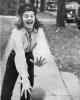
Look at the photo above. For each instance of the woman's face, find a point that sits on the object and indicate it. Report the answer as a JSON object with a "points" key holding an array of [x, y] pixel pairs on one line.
{"points": [[28, 19]]}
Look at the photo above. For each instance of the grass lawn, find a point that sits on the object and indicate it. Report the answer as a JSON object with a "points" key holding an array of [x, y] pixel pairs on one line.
{"points": [[5, 27], [64, 44]]}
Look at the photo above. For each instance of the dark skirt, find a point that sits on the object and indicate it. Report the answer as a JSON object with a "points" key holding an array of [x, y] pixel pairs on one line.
{"points": [[11, 75]]}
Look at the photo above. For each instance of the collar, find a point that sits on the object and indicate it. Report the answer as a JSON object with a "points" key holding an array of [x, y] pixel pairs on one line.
{"points": [[25, 32], [33, 31]]}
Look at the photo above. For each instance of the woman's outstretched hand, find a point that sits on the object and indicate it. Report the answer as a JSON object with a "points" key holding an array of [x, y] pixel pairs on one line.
{"points": [[25, 87], [39, 61]]}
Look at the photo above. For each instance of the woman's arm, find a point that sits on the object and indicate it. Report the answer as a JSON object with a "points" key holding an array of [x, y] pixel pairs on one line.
{"points": [[20, 60], [39, 58]]}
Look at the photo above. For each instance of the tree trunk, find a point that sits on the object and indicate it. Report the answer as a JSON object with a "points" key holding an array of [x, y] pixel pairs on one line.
{"points": [[42, 7], [61, 13], [30, 1], [36, 3]]}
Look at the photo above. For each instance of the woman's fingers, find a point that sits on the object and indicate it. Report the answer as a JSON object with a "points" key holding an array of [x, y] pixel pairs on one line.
{"points": [[36, 59], [29, 91], [43, 59], [30, 88], [22, 91], [40, 57], [32, 60], [25, 94], [39, 61]]}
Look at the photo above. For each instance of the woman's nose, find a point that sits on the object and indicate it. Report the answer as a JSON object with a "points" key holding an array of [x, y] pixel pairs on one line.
{"points": [[29, 17]]}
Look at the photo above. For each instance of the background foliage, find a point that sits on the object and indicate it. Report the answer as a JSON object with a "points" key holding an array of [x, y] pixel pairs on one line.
{"points": [[9, 7]]}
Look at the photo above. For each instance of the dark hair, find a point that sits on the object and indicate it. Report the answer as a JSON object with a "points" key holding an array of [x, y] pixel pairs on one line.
{"points": [[19, 23], [27, 7]]}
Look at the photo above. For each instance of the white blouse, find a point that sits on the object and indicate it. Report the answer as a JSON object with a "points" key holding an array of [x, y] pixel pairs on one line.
{"points": [[20, 43]]}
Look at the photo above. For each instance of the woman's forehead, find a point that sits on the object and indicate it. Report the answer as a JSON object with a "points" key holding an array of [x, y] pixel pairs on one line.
{"points": [[28, 12]]}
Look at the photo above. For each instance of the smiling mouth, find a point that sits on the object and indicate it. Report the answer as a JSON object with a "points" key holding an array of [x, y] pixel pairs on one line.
{"points": [[29, 22]]}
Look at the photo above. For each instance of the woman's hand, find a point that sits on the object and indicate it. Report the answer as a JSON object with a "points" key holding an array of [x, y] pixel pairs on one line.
{"points": [[39, 61], [25, 87]]}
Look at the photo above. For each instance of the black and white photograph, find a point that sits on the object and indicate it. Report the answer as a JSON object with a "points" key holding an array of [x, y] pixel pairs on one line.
{"points": [[39, 49]]}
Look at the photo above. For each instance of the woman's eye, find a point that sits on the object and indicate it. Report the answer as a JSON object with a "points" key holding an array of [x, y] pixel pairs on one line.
{"points": [[32, 16], [26, 16]]}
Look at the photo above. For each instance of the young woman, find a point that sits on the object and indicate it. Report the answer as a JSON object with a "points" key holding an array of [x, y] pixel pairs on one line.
{"points": [[20, 61]]}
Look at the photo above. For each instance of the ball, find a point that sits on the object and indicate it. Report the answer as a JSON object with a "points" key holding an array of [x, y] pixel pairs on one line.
{"points": [[37, 93]]}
